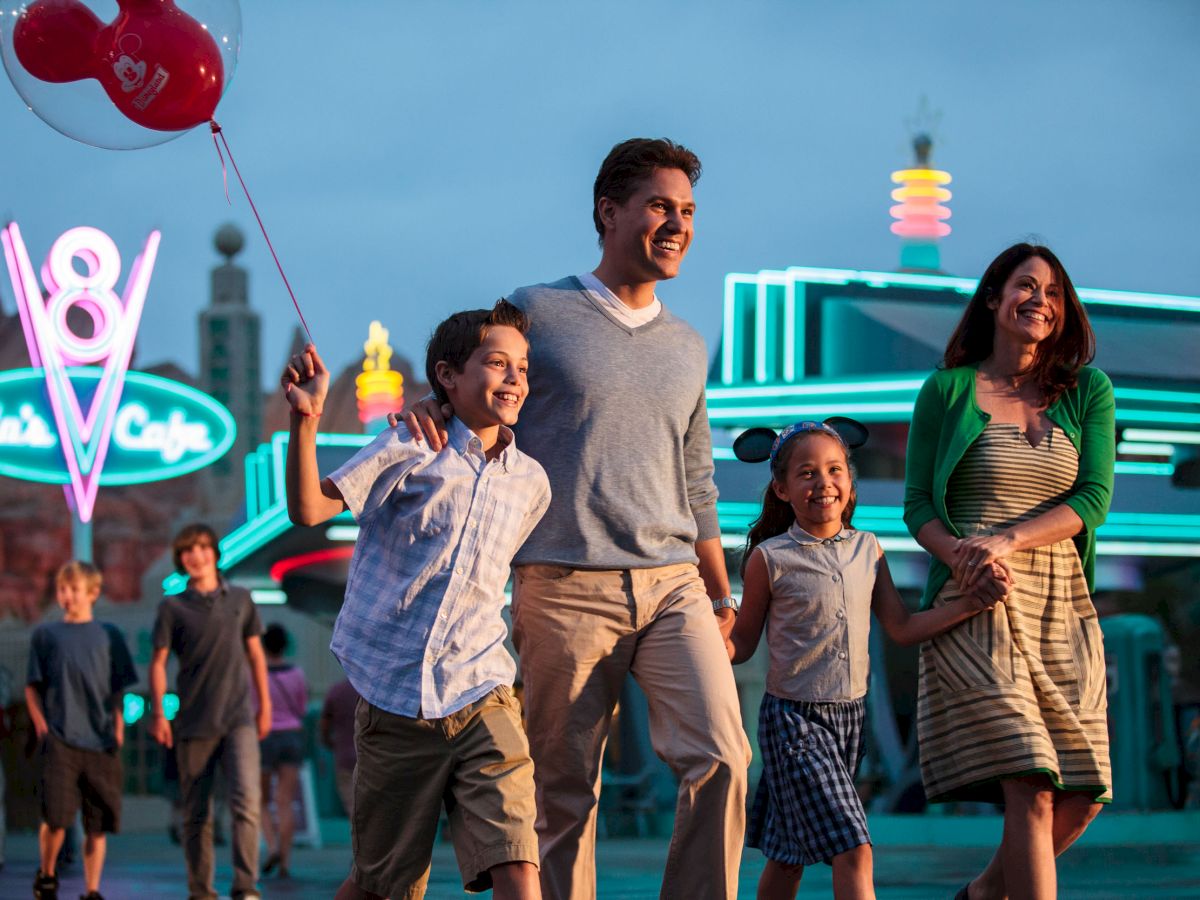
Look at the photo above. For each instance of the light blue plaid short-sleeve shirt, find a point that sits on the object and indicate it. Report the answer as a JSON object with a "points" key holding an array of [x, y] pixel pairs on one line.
{"points": [[420, 631]]}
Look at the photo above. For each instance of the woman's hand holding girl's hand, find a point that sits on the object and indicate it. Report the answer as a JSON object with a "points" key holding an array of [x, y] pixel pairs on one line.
{"points": [[305, 382], [992, 587], [974, 554]]}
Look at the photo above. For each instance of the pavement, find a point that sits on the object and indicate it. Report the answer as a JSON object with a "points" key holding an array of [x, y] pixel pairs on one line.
{"points": [[1145, 857]]}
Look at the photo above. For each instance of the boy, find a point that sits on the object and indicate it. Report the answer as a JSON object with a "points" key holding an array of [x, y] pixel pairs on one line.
{"points": [[214, 630], [420, 634], [78, 669]]}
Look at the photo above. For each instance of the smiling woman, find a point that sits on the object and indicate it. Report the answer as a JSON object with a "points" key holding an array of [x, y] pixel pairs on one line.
{"points": [[1010, 463]]}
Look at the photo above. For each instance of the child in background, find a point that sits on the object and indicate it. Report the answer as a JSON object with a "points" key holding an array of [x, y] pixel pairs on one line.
{"points": [[78, 671], [420, 634], [282, 751], [814, 581]]}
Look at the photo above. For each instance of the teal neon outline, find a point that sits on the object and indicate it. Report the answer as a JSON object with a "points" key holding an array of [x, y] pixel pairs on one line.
{"points": [[1098, 296]]}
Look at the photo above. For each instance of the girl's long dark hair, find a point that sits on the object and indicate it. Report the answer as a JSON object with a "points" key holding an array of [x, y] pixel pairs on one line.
{"points": [[1059, 357], [777, 515]]}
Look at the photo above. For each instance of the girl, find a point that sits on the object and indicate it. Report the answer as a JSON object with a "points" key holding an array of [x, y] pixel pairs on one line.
{"points": [[814, 581]]}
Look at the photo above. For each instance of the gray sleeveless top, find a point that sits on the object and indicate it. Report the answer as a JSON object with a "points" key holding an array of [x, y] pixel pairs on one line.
{"points": [[819, 619]]}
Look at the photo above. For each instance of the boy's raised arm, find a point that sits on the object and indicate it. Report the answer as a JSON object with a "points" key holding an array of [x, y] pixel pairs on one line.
{"points": [[310, 500]]}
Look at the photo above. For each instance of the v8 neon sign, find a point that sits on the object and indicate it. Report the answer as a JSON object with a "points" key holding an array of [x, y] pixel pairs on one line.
{"points": [[84, 433]]}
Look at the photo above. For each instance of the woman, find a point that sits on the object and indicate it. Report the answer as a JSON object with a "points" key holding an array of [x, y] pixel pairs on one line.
{"points": [[282, 749], [1010, 460]]}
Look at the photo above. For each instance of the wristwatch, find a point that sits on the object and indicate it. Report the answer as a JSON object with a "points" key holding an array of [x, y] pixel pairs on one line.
{"points": [[725, 603]]}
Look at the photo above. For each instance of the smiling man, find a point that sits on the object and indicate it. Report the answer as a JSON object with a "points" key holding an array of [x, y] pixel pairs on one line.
{"points": [[626, 570]]}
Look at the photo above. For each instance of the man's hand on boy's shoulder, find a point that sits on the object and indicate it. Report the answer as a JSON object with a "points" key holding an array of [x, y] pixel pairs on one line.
{"points": [[305, 382], [426, 420]]}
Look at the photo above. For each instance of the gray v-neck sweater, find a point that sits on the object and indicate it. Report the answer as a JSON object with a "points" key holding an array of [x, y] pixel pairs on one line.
{"points": [[616, 416]]}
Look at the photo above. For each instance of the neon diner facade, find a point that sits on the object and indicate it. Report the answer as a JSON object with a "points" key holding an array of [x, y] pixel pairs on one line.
{"points": [[804, 343]]}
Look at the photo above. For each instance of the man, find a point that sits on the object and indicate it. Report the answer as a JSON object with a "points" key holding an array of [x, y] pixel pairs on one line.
{"points": [[214, 630], [625, 571]]}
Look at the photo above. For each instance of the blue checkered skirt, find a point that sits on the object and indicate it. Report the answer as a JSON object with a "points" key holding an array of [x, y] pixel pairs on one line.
{"points": [[807, 810]]}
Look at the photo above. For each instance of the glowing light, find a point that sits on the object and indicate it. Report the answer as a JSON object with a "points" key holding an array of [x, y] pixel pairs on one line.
{"points": [[919, 209], [54, 347], [344, 532], [815, 275], [134, 707], [1134, 448], [268, 597], [280, 569], [1173, 437], [378, 388], [1131, 467]]}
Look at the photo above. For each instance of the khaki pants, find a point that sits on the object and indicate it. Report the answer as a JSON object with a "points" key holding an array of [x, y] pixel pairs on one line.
{"points": [[578, 633]]}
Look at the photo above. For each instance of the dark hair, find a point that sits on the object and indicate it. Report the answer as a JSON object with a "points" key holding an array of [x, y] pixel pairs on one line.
{"points": [[631, 161], [777, 515], [1059, 358], [275, 639], [78, 570], [459, 336], [188, 537]]}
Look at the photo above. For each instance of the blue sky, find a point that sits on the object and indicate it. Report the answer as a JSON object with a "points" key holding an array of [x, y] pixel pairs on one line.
{"points": [[413, 157]]}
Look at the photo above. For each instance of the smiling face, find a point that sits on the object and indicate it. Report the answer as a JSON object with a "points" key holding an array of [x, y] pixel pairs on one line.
{"points": [[817, 483], [648, 235], [493, 383], [76, 597], [1029, 308], [199, 561]]}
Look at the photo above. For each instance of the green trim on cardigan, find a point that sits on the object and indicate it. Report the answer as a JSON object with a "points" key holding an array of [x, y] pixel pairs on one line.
{"points": [[947, 420]]}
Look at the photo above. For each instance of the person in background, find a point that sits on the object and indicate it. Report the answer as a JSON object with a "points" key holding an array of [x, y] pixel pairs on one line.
{"points": [[78, 671], [214, 630], [337, 733], [282, 750]]}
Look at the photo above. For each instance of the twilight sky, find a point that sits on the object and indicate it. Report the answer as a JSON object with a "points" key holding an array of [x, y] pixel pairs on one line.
{"points": [[413, 157]]}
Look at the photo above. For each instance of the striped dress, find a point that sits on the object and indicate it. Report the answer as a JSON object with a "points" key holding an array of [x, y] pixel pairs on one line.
{"points": [[1019, 690]]}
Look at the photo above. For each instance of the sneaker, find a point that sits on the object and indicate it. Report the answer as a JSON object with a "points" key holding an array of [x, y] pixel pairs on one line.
{"points": [[45, 887], [91, 895]]}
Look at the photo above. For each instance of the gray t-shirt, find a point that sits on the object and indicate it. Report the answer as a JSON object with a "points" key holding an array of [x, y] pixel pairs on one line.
{"points": [[617, 418], [208, 633], [79, 670]]}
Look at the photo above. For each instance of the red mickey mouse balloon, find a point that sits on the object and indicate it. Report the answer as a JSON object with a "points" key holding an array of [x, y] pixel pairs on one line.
{"points": [[162, 64]]}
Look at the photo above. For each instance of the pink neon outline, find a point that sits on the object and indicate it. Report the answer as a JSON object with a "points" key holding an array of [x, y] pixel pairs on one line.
{"points": [[102, 323], [41, 335], [24, 283]]}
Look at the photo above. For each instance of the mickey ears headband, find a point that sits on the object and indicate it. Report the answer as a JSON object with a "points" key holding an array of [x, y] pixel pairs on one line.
{"points": [[758, 444]]}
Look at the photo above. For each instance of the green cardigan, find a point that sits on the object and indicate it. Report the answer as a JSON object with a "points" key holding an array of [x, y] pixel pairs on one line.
{"points": [[947, 420]]}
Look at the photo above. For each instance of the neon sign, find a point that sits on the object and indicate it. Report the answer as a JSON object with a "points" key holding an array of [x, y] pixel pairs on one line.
{"points": [[378, 387], [111, 426], [919, 203], [161, 429]]}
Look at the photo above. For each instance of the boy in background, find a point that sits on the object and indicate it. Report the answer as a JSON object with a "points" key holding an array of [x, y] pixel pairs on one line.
{"points": [[420, 634], [78, 671], [214, 630]]}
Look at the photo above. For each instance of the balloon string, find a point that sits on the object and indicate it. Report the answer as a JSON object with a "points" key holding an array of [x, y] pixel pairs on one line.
{"points": [[221, 157], [216, 130]]}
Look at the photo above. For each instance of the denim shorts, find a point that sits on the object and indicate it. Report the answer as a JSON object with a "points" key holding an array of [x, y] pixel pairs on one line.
{"points": [[282, 748]]}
